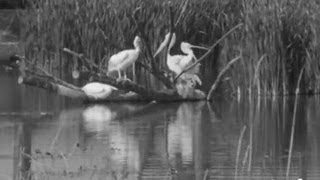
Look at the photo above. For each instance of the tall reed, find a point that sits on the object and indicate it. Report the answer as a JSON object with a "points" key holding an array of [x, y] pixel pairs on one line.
{"points": [[283, 32]]}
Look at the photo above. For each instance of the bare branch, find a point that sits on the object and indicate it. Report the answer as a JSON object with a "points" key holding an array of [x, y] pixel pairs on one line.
{"points": [[154, 70], [222, 72], [86, 61], [208, 52]]}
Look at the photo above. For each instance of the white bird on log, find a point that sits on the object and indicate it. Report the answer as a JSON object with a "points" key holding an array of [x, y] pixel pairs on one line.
{"points": [[122, 60], [98, 91], [177, 63]]}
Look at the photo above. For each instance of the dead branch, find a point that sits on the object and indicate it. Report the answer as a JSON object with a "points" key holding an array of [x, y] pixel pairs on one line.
{"points": [[208, 52], [146, 94], [44, 74], [222, 72], [154, 70], [89, 63]]}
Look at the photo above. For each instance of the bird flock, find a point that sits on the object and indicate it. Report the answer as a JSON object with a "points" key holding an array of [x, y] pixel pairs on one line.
{"points": [[122, 60]]}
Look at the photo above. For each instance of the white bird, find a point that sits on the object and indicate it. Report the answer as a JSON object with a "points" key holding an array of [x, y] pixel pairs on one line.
{"points": [[122, 60], [177, 63], [96, 90]]}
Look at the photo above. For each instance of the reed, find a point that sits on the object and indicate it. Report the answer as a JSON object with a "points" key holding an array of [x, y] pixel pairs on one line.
{"points": [[283, 32]]}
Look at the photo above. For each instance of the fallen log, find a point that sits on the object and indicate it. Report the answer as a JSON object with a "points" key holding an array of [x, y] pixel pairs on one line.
{"points": [[147, 94], [63, 90], [136, 92], [128, 90]]}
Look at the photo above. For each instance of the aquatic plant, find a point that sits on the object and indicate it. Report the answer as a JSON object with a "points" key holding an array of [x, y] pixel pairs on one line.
{"points": [[276, 40]]}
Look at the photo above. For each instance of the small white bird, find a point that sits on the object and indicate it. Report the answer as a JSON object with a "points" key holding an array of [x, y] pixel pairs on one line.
{"points": [[122, 60], [97, 91], [177, 63]]}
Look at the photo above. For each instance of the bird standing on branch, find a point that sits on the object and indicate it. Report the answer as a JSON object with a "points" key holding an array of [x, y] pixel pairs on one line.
{"points": [[177, 63], [122, 60]]}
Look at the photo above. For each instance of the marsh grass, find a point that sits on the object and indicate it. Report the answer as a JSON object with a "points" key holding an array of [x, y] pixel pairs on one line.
{"points": [[284, 33]]}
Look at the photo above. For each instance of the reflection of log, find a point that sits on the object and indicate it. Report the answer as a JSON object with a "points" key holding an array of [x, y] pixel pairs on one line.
{"points": [[147, 111]]}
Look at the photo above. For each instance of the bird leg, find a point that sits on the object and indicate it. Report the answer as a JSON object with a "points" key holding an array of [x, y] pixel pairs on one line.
{"points": [[125, 75], [119, 74]]}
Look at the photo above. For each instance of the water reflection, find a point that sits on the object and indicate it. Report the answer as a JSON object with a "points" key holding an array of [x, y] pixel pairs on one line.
{"points": [[228, 140], [187, 140], [97, 118]]}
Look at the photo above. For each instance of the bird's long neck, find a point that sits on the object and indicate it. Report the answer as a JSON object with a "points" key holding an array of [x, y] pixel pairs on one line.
{"points": [[169, 49], [171, 44], [137, 49]]}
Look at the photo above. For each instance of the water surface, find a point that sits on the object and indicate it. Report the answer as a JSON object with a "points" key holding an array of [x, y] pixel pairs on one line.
{"points": [[44, 136]]}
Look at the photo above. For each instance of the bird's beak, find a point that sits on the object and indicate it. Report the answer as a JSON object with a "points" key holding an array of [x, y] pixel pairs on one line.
{"points": [[194, 57], [199, 47], [160, 48], [164, 44]]}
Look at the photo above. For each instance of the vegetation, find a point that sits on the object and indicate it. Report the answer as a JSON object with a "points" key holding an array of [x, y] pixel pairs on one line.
{"points": [[277, 39]]}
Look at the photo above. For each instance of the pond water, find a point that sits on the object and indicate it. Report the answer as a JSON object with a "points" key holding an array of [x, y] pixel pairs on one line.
{"points": [[43, 136]]}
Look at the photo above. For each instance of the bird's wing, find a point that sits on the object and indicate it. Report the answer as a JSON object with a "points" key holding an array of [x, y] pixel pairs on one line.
{"points": [[118, 58], [176, 59], [185, 61]]}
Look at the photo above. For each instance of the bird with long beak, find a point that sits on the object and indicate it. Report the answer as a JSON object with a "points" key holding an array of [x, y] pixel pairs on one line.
{"points": [[177, 63], [122, 60]]}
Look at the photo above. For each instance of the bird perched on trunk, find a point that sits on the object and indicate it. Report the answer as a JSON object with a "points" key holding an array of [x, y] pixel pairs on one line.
{"points": [[97, 91], [122, 60]]}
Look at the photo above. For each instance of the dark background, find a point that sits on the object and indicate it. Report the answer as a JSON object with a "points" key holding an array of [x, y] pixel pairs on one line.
{"points": [[10, 4]]}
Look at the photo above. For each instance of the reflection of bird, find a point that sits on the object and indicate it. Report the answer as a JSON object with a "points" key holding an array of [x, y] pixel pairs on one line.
{"points": [[96, 90], [122, 60], [183, 131], [119, 141], [180, 133], [97, 117], [177, 63]]}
